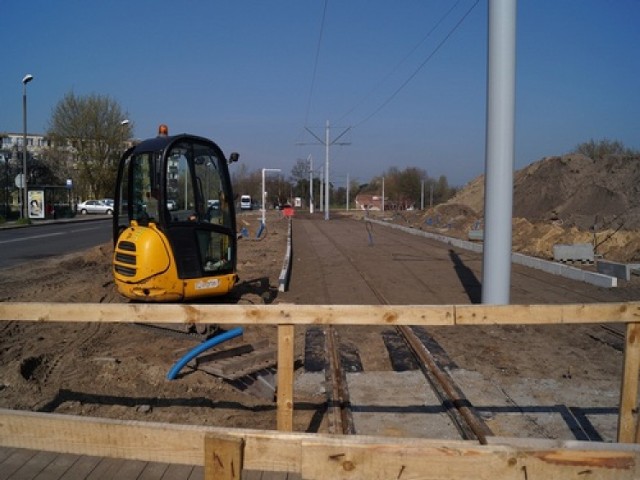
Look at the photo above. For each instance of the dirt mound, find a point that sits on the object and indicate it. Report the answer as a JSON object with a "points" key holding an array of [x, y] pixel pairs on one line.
{"points": [[574, 189], [565, 199]]}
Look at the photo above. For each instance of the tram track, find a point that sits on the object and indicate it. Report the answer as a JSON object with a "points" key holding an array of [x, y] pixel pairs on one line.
{"points": [[467, 421]]}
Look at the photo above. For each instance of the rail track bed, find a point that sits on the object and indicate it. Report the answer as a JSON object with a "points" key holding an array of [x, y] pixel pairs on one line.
{"points": [[545, 382]]}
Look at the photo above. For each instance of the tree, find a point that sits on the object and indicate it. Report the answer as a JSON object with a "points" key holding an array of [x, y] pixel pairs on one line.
{"points": [[602, 148], [91, 131]]}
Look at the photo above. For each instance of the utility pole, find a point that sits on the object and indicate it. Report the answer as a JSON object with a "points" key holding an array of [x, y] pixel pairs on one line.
{"points": [[500, 152], [327, 143], [347, 192], [310, 184]]}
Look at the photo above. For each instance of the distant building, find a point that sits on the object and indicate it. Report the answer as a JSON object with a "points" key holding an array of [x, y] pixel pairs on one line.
{"points": [[375, 203], [35, 142], [369, 202]]}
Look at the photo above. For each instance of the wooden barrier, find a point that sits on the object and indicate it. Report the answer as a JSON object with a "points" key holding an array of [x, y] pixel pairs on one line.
{"points": [[225, 452]]}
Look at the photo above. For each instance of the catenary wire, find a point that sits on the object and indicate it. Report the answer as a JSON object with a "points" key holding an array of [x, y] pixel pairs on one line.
{"points": [[315, 63], [404, 59], [420, 67]]}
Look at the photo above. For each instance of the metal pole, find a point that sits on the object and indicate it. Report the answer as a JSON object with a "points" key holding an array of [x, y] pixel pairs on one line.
{"points": [[347, 192], [500, 146], [264, 208], [383, 194], [422, 195], [25, 197], [310, 160], [321, 189], [326, 177], [263, 199]]}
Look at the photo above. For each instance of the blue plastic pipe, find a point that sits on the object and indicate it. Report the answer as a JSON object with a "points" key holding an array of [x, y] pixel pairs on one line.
{"points": [[212, 342]]}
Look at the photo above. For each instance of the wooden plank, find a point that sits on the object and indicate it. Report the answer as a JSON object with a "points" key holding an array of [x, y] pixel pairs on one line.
{"points": [[14, 462], [36, 464], [275, 314], [153, 471], [60, 464], [332, 459], [547, 314], [628, 417], [312, 456], [81, 468], [236, 367], [102, 437], [222, 457], [285, 378]]}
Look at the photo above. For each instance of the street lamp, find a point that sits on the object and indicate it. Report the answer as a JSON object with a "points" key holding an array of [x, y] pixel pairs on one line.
{"points": [[25, 199], [263, 193]]}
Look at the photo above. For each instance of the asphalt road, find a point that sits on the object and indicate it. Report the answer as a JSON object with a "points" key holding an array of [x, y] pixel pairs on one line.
{"points": [[20, 245]]}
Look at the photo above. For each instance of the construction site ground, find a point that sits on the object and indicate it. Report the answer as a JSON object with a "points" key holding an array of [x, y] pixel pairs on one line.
{"points": [[529, 381]]}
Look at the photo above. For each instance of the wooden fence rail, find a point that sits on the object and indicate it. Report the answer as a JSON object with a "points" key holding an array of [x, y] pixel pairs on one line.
{"points": [[315, 455]]}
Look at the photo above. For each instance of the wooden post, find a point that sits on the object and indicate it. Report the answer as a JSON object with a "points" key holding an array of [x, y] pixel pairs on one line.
{"points": [[285, 378], [627, 420], [222, 457]]}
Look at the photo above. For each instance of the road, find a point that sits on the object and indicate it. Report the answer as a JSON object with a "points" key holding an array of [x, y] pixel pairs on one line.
{"points": [[20, 245]]}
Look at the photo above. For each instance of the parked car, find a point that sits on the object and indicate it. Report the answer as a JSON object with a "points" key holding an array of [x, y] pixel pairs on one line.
{"points": [[245, 202], [94, 206], [172, 205]]}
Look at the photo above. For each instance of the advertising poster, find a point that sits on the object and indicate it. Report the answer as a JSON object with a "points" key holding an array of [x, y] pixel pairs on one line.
{"points": [[36, 203]]}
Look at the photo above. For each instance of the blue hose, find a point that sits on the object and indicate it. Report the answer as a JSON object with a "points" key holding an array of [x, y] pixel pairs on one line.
{"points": [[212, 342]]}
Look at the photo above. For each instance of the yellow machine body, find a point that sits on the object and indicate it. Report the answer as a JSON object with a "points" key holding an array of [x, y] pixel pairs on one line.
{"points": [[144, 269], [174, 226]]}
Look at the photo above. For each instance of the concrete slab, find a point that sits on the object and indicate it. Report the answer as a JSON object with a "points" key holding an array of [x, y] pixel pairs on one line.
{"points": [[397, 404]]}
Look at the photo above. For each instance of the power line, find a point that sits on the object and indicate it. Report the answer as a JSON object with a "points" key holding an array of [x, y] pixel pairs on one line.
{"points": [[315, 64], [420, 67], [404, 59]]}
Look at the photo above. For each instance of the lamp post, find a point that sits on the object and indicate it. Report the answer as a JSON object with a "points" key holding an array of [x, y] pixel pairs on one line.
{"points": [[25, 199], [264, 207]]}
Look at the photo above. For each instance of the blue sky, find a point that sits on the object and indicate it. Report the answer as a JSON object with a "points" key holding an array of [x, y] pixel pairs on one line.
{"points": [[244, 73]]}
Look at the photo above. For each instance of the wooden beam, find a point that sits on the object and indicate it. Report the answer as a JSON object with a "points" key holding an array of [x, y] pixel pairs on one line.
{"points": [[222, 457], [318, 456], [628, 417], [285, 378], [321, 314], [547, 314]]}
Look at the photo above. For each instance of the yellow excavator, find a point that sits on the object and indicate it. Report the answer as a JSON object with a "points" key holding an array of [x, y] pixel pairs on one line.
{"points": [[174, 223]]}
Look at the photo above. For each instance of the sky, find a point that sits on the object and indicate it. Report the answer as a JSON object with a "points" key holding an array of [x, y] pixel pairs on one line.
{"points": [[399, 83]]}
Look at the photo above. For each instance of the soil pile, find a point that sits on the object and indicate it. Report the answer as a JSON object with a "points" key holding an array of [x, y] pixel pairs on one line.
{"points": [[558, 200]]}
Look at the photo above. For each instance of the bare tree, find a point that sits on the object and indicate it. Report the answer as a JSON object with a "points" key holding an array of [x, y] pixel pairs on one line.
{"points": [[91, 130]]}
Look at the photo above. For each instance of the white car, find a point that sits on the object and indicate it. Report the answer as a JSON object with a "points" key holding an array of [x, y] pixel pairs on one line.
{"points": [[94, 206]]}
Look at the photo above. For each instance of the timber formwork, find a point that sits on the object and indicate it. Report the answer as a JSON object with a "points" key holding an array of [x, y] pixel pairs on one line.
{"points": [[225, 453]]}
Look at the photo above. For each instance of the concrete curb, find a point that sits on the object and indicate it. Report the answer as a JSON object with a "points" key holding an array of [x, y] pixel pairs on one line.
{"points": [[283, 280], [554, 268]]}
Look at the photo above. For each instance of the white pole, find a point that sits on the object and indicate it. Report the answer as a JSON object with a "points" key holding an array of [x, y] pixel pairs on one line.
{"points": [[422, 195], [310, 184], [326, 178], [383, 194], [500, 148], [263, 200], [321, 189], [264, 193], [347, 192]]}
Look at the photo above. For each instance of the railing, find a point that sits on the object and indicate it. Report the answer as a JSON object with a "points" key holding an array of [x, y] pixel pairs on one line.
{"points": [[611, 459]]}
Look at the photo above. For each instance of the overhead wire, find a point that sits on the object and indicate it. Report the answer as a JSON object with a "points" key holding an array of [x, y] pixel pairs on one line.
{"points": [[420, 67], [315, 63], [399, 64]]}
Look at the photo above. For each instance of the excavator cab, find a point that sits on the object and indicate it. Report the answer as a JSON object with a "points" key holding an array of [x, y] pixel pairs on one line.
{"points": [[174, 226]]}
